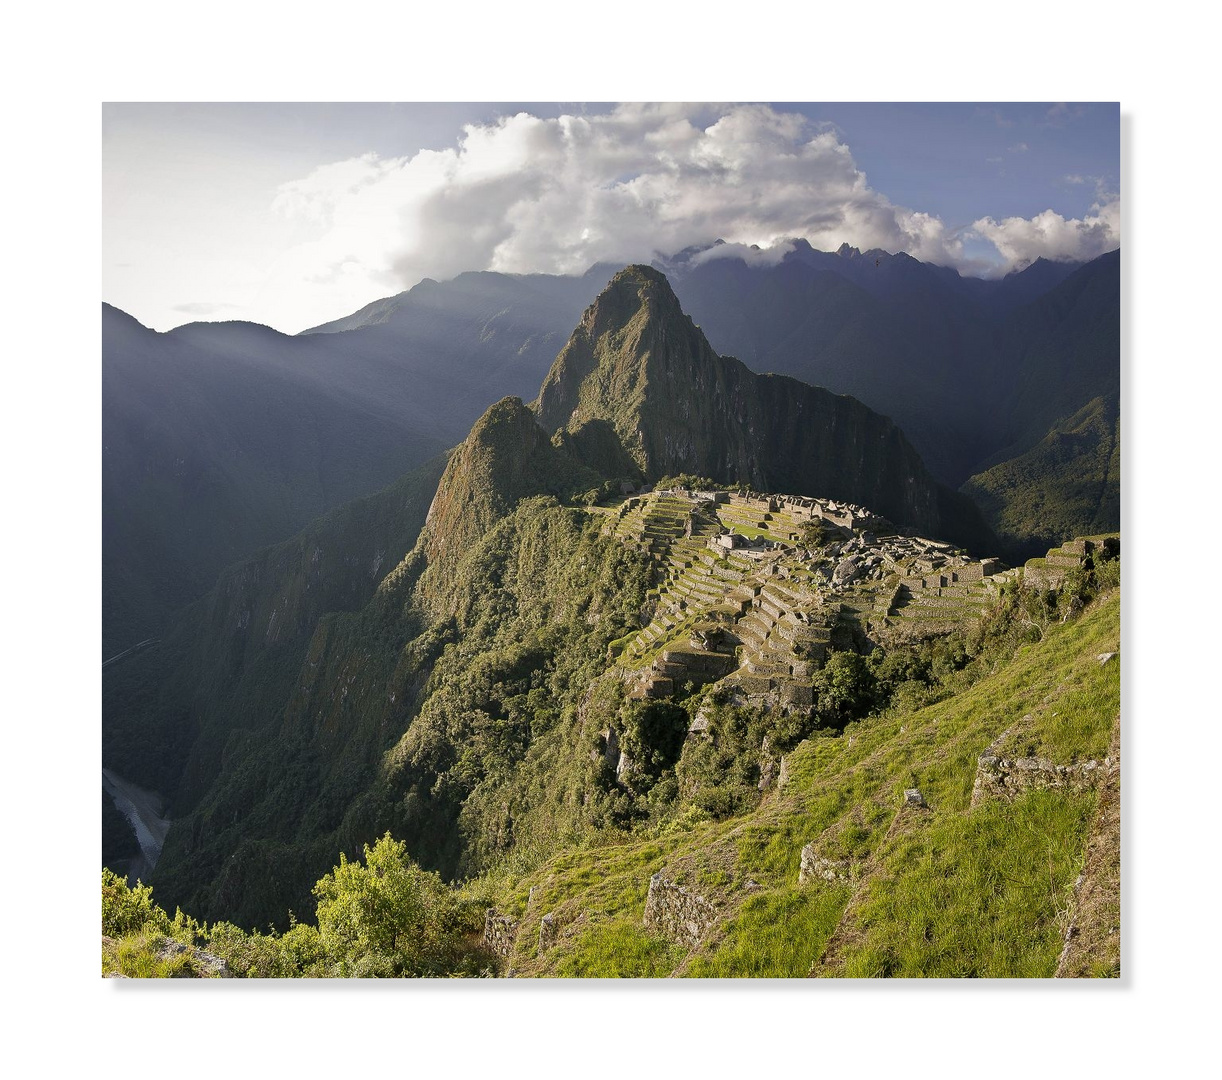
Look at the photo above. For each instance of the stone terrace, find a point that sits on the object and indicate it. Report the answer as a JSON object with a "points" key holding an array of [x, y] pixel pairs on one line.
{"points": [[749, 593]]}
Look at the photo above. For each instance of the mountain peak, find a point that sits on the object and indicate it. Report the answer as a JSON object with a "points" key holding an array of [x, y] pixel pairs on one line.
{"points": [[506, 457], [634, 289], [638, 393], [633, 324]]}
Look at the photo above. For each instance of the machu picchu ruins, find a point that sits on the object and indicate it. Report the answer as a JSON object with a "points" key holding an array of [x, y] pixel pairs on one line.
{"points": [[755, 589]]}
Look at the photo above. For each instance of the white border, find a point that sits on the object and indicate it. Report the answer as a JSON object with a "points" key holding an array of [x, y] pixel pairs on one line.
{"points": [[63, 63]]}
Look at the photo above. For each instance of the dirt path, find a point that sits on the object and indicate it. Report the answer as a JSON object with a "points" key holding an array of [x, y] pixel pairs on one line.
{"points": [[1092, 943]]}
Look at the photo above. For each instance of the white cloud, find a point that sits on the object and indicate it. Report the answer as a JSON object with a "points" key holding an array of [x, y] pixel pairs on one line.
{"points": [[1023, 240], [526, 194], [203, 307], [751, 254], [1018, 148]]}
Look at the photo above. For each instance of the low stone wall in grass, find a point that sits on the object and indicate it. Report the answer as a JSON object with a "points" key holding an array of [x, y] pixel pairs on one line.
{"points": [[676, 913], [1006, 778]]}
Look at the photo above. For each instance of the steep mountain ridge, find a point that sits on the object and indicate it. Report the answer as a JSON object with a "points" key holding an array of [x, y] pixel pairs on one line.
{"points": [[639, 366]]}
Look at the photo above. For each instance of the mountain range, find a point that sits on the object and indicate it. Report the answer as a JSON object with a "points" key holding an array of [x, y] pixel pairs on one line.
{"points": [[220, 438]]}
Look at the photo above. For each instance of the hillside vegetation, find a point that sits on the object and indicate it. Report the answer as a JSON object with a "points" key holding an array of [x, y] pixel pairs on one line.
{"points": [[1067, 484], [956, 886], [640, 723]]}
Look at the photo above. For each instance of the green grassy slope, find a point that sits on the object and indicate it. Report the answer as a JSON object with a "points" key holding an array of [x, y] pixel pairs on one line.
{"points": [[950, 890]]}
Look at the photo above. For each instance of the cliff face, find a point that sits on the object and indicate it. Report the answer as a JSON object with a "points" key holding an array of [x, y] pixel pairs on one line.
{"points": [[639, 369]]}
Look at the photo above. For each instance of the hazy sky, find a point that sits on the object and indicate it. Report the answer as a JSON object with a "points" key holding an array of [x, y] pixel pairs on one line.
{"points": [[294, 214]]}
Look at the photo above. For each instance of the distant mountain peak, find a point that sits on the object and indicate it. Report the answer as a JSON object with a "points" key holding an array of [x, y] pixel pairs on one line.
{"points": [[627, 327]]}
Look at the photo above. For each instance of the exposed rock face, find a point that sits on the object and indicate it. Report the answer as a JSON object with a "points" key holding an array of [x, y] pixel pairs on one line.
{"points": [[638, 372], [548, 931], [676, 913], [200, 964]]}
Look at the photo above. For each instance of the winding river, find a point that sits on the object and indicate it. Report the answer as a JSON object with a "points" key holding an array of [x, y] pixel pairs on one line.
{"points": [[143, 812]]}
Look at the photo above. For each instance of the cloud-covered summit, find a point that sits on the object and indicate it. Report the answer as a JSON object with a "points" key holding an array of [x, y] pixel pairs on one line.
{"points": [[526, 194]]}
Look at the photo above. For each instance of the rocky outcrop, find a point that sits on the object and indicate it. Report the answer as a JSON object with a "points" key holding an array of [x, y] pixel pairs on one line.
{"points": [[816, 867], [549, 930], [199, 965], [676, 913]]}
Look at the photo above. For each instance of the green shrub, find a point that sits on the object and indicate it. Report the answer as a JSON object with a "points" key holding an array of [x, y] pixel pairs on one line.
{"points": [[845, 689], [388, 917], [126, 910]]}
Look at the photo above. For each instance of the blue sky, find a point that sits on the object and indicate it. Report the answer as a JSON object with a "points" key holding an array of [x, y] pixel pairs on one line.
{"points": [[291, 214]]}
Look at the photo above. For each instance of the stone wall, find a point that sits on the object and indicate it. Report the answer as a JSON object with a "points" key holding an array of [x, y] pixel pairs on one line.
{"points": [[1006, 778], [676, 913], [499, 931], [814, 867]]}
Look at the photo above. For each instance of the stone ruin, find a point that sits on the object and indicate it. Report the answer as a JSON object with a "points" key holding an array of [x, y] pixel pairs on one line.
{"points": [[743, 597], [1051, 571], [815, 867], [1007, 778], [499, 931], [676, 913], [674, 668]]}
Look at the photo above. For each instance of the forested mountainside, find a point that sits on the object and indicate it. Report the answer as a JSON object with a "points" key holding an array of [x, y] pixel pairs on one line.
{"points": [[940, 800], [526, 680]]}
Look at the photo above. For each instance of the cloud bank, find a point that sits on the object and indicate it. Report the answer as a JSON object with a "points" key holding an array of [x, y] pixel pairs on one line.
{"points": [[1049, 235], [557, 195]]}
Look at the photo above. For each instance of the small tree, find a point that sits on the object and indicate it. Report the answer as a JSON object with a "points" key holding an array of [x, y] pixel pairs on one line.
{"points": [[845, 689], [386, 917], [812, 533]]}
